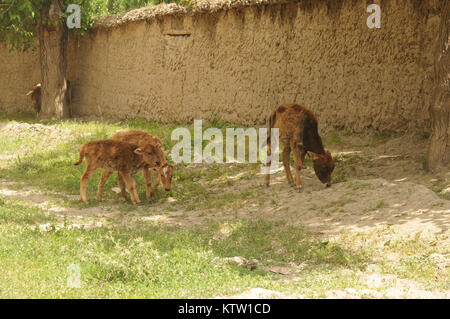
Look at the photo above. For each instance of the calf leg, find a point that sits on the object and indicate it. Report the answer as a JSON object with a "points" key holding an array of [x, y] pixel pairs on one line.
{"points": [[105, 175], [84, 180], [122, 186], [156, 183], [130, 185], [148, 183], [299, 156], [287, 164], [136, 195]]}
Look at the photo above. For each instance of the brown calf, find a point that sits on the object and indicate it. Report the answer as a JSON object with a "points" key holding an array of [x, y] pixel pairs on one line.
{"points": [[298, 132], [164, 172], [36, 97], [119, 156]]}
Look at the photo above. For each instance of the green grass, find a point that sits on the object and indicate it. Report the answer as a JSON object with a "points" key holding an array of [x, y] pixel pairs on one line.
{"points": [[378, 205], [414, 262], [379, 138], [334, 139], [150, 261], [282, 243]]}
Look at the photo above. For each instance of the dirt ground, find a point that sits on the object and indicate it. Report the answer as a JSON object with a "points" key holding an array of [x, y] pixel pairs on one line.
{"points": [[381, 194]]}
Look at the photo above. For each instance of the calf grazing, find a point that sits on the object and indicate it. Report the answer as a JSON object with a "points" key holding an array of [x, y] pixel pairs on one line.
{"points": [[36, 97], [298, 131], [164, 172], [119, 156]]}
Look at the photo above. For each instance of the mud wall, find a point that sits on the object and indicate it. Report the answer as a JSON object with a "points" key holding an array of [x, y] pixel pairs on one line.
{"points": [[18, 73], [239, 64]]}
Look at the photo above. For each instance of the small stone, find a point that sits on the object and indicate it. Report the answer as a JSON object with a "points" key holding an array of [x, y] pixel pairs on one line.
{"points": [[280, 270]]}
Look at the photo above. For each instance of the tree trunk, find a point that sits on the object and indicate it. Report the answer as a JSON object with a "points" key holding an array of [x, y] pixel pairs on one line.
{"points": [[439, 150], [53, 45]]}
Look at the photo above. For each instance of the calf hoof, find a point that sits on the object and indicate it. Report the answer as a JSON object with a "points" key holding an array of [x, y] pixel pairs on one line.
{"points": [[299, 190]]}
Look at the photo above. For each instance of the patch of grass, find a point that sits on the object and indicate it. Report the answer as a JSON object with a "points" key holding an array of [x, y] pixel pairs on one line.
{"points": [[308, 162], [380, 204], [49, 166], [16, 212], [415, 263], [442, 194], [378, 138], [355, 185], [18, 116], [215, 122], [440, 186], [338, 176], [150, 261], [333, 138], [333, 205], [279, 242]]}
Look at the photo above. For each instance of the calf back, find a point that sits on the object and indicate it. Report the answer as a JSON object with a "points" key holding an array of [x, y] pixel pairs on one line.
{"points": [[297, 126], [142, 139]]}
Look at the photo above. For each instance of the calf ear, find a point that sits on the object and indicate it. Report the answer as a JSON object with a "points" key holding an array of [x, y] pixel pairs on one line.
{"points": [[139, 151]]}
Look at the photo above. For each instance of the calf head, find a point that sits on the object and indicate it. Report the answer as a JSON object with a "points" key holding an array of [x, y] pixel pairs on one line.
{"points": [[151, 155], [166, 172], [323, 166]]}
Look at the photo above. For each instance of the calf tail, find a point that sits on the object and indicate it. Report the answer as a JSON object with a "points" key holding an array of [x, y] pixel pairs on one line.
{"points": [[81, 156], [270, 123]]}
